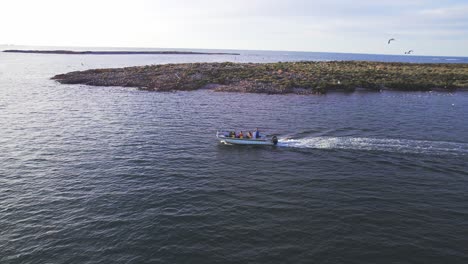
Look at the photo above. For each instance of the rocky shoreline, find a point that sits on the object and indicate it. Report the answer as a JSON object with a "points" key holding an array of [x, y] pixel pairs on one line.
{"points": [[279, 78], [70, 52]]}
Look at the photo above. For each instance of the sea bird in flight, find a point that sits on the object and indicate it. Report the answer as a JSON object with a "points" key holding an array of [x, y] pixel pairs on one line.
{"points": [[408, 52], [390, 40]]}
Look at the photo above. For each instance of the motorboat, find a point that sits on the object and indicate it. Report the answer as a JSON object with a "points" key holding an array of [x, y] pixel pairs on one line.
{"points": [[229, 137]]}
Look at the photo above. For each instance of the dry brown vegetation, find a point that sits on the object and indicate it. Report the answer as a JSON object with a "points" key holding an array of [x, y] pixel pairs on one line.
{"points": [[279, 78]]}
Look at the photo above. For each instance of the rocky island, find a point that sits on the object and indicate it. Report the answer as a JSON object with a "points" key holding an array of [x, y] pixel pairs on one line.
{"points": [[279, 78], [71, 52]]}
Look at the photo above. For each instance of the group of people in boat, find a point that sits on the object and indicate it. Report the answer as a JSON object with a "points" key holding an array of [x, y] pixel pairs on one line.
{"points": [[247, 135]]}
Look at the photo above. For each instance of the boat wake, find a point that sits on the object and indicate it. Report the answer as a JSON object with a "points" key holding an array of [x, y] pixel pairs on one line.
{"points": [[376, 144]]}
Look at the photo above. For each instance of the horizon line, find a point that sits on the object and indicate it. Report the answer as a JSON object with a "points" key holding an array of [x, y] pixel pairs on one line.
{"points": [[229, 49]]}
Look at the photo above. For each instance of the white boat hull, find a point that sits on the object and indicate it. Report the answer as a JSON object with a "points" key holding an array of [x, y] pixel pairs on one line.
{"points": [[240, 141]]}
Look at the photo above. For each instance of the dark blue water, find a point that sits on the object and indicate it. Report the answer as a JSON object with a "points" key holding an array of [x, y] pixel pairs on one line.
{"points": [[116, 175]]}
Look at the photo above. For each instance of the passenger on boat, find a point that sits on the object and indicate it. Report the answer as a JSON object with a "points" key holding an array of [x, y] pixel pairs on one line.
{"points": [[249, 135], [241, 135], [257, 133], [232, 134]]}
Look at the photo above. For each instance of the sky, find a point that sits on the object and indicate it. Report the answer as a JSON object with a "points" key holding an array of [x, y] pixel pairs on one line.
{"points": [[361, 26]]}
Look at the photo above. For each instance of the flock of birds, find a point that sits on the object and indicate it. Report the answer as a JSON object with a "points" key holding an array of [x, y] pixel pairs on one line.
{"points": [[406, 52]]}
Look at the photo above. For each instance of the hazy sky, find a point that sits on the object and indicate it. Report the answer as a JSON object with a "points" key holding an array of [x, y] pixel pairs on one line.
{"points": [[361, 26]]}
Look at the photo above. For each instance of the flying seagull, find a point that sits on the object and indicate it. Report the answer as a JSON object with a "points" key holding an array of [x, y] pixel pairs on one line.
{"points": [[390, 40], [408, 52]]}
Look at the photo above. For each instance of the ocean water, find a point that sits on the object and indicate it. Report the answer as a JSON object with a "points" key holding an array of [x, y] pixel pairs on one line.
{"points": [[118, 175]]}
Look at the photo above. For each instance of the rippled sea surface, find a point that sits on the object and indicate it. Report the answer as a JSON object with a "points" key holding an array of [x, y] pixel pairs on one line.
{"points": [[118, 175]]}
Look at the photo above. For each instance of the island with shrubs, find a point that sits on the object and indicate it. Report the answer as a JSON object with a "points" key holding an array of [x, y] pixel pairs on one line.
{"points": [[306, 77], [118, 52]]}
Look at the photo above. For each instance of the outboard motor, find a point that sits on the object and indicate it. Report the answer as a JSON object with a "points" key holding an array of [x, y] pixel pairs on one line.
{"points": [[274, 139]]}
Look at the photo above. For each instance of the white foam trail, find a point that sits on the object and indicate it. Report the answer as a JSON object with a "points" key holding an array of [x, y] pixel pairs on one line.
{"points": [[389, 145]]}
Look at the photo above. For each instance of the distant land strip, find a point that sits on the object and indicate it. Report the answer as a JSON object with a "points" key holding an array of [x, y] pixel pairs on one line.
{"points": [[70, 52], [307, 77]]}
